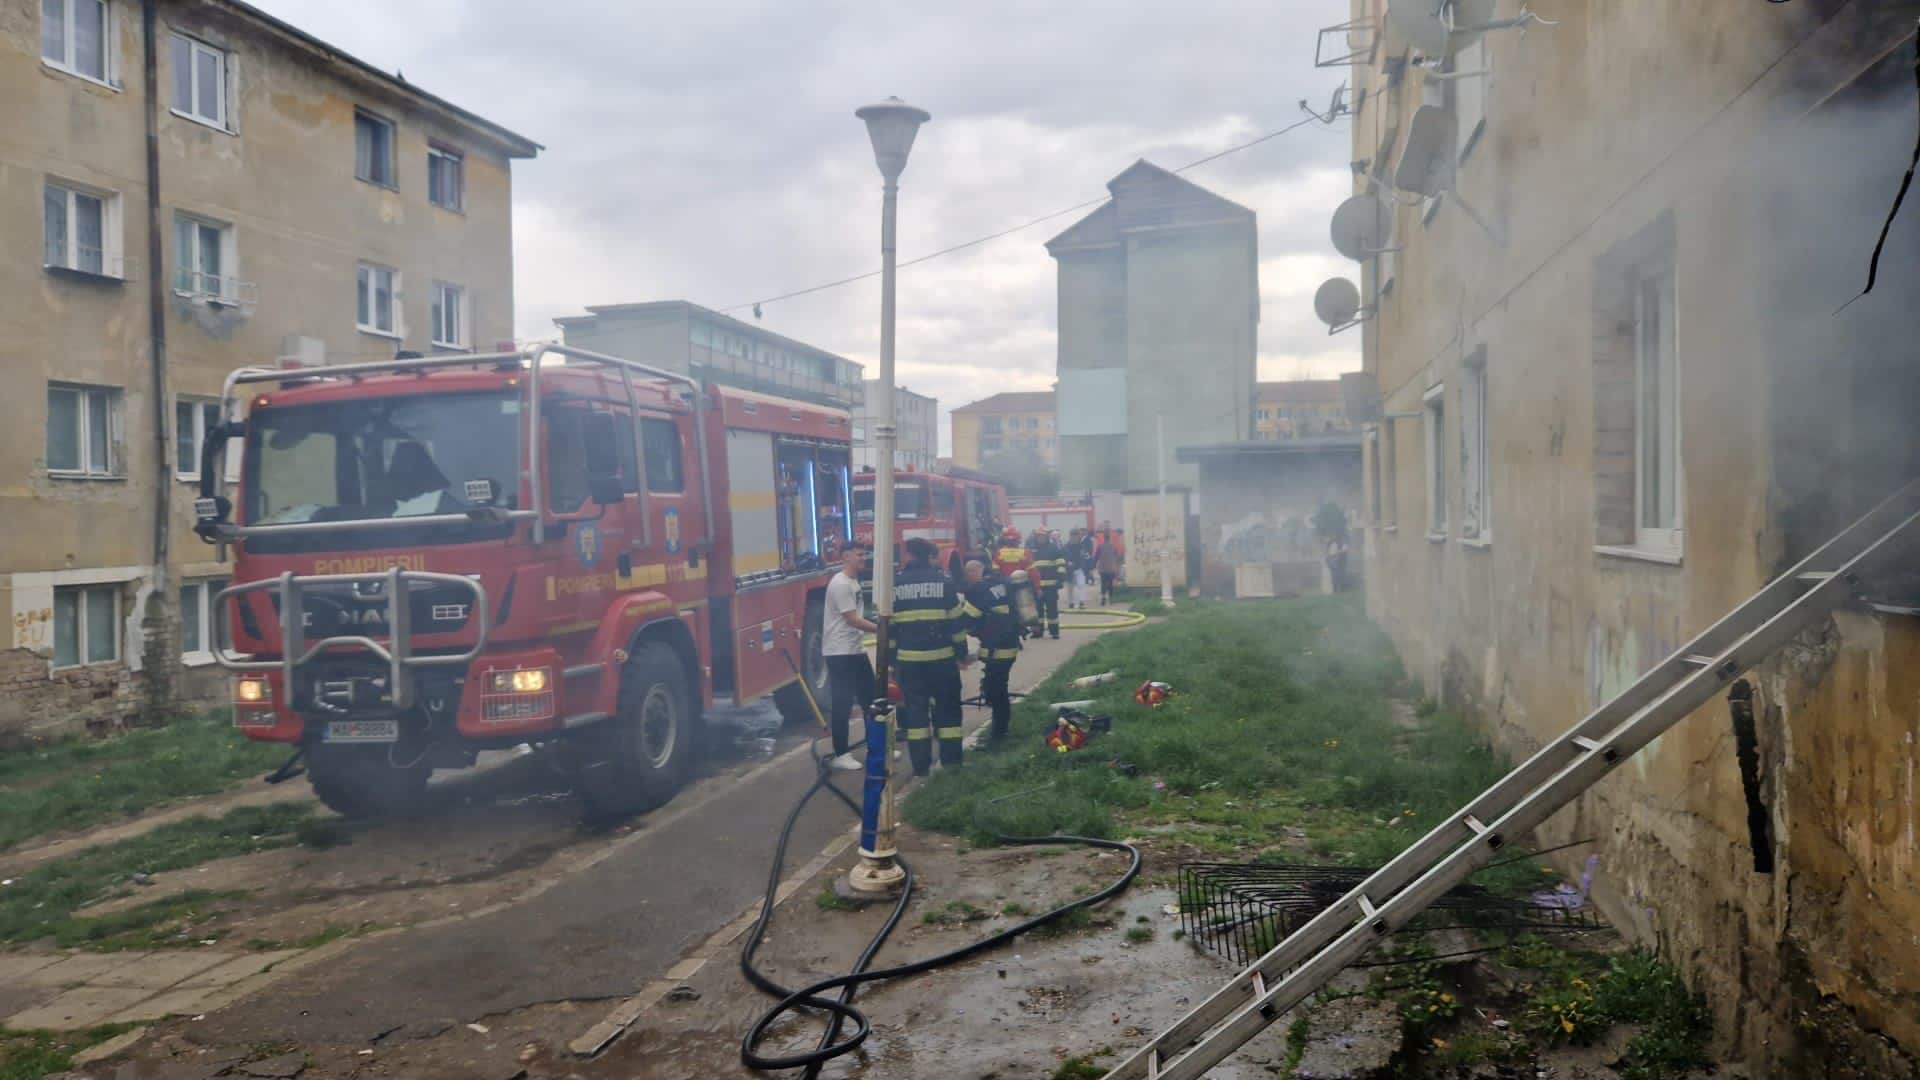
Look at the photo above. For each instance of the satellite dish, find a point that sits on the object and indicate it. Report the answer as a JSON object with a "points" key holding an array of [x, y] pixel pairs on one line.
{"points": [[1360, 227], [1427, 164], [1422, 23], [1337, 302]]}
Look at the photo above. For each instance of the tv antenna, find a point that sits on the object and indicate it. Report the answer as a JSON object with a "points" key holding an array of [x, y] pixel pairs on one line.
{"points": [[1428, 167], [1336, 108], [1361, 226], [1337, 303], [1438, 27]]}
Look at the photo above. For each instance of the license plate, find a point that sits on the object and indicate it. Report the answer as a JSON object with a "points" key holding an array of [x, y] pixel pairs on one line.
{"points": [[347, 731]]}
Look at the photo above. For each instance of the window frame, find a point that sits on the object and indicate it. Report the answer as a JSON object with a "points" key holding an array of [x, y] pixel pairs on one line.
{"points": [[462, 328], [109, 76], [652, 458], [228, 278], [81, 638], [83, 432], [442, 152], [392, 176], [1475, 469], [1466, 138], [205, 415], [364, 289], [1433, 419], [223, 122], [112, 263], [200, 618], [1657, 274]]}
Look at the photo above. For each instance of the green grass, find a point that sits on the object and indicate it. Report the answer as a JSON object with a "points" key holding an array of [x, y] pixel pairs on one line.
{"points": [[828, 900], [45, 903], [954, 913], [1580, 995], [1139, 935], [75, 783], [30, 1055], [1280, 720], [1078, 1068]]}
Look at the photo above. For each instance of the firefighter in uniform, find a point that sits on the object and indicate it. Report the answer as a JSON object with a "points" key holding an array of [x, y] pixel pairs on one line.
{"points": [[929, 643], [1011, 555], [1049, 572], [987, 604]]}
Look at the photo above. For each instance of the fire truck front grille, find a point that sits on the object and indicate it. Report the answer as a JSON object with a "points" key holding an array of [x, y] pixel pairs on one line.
{"points": [[337, 610]]}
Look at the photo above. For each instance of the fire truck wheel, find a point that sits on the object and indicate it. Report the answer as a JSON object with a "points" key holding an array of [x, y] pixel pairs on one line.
{"points": [[650, 741], [790, 699], [359, 782]]}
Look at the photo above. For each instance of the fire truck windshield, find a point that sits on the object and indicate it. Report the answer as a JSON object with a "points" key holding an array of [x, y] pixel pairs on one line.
{"points": [[909, 501], [385, 458]]}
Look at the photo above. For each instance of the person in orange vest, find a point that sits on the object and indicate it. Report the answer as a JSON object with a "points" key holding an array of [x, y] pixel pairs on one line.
{"points": [[1011, 555]]}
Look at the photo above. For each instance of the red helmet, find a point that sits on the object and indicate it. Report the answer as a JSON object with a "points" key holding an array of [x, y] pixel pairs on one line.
{"points": [[1011, 533]]}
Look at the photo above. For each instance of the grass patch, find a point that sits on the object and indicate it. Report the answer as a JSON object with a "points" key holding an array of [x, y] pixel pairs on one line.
{"points": [[1078, 1068], [1581, 995], [828, 900], [1139, 935], [75, 783], [325, 935], [29, 1055], [47, 903], [954, 913], [1280, 724]]}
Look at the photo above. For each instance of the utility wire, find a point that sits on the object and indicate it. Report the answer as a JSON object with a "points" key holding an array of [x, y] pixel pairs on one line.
{"points": [[1873, 264], [977, 241]]}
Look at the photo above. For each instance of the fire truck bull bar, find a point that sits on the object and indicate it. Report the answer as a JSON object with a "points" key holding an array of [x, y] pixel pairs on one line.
{"points": [[397, 653]]}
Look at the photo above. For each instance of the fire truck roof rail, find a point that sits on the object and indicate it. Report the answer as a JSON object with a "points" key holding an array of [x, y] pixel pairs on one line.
{"points": [[530, 355]]}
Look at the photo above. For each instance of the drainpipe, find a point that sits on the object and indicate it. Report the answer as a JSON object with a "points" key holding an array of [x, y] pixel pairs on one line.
{"points": [[159, 660]]}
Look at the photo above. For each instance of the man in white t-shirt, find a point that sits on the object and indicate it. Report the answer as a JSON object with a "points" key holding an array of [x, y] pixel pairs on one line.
{"points": [[849, 668]]}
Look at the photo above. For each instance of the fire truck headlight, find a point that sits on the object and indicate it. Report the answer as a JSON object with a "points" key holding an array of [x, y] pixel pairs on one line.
{"points": [[530, 681], [252, 691]]}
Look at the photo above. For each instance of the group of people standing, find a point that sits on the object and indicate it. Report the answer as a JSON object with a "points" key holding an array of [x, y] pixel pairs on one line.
{"points": [[933, 617]]}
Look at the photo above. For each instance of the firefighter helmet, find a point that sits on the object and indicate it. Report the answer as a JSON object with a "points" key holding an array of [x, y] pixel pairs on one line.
{"points": [[1010, 534]]}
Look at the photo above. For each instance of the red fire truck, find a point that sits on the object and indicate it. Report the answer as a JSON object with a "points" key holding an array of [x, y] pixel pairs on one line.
{"points": [[962, 511], [436, 556]]}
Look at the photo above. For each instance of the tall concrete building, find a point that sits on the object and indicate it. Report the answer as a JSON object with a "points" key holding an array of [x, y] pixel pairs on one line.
{"points": [[1159, 312], [300, 201], [1616, 413], [680, 336], [1016, 421], [915, 416]]}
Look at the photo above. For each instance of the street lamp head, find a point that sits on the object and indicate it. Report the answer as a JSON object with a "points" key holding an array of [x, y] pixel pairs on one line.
{"points": [[892, 125]]}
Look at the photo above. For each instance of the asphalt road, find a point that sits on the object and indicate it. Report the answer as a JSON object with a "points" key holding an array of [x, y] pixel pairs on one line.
{"points": [[602, 933]]}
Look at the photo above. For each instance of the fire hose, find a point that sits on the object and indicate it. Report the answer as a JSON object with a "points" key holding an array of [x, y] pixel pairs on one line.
{"points": [[841, 1008]]}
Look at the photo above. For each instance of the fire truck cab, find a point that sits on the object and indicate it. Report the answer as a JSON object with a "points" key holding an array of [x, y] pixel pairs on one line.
{"points": [[436, 556], [962, 511]]}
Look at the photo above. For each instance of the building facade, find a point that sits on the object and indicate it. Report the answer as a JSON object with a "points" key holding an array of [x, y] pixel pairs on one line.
{"points": [[1159, 314], [1620, 408], [300, 201], [916, 418], [1299, 409], [1018, 422], [693, 340]]}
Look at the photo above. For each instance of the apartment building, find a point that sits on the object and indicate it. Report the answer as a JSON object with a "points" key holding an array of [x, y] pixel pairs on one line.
{"points": [[916, 418], [298, 202], [1618, 404], [684, 337], [1018, 422], [1299, 409]]}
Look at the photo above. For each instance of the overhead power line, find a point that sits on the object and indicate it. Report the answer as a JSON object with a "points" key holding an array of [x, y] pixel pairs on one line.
{"points": [[977, 241]]}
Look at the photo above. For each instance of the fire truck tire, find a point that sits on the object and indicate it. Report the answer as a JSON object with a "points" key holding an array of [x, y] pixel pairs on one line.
{"points": [[649, 743], [790, 699], [358, 782]]}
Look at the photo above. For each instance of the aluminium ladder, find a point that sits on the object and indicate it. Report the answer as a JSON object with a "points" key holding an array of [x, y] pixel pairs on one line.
{"points": [[1309, 958]]}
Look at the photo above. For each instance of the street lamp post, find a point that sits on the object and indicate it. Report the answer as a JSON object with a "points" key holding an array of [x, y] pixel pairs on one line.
{"points": [[891, 125]]}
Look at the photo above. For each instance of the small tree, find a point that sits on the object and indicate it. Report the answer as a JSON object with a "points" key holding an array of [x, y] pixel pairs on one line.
{"points": [[1330, 522], [1023, 472]]}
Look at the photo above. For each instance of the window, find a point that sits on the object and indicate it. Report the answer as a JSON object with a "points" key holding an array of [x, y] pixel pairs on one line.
{"points": [[192, 421], [1470, 95], [82, 230], [378, 311], [199, 81], [197, 624], [81, 430], [1476, 503], [449, 315], [1656, 411], [1435, 418], [86, 620], [1376, 498], [661, 439], [373, 149], [75, 36], [203, 258], [446, 178]]}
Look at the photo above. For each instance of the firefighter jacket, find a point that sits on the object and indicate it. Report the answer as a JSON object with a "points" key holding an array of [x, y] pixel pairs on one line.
{"points": [[988, 608], [927, 614], [1049, 565], [1009, 557]]}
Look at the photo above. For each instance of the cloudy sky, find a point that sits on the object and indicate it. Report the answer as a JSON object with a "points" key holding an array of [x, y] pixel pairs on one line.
{"points": [[709, 152]]}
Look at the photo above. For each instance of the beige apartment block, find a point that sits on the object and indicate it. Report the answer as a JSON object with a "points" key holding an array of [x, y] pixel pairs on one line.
{"points": [[1617, 411], [292, 201]]}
